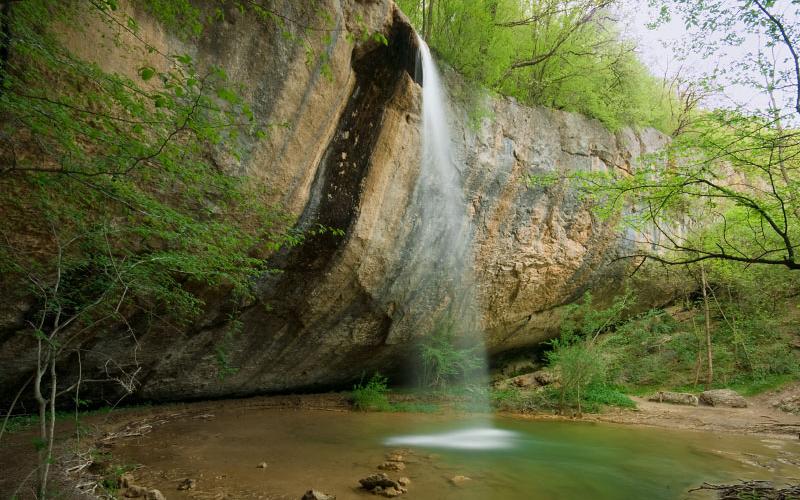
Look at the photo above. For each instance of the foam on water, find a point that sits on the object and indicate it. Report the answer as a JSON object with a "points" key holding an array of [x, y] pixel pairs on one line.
{"points": [[478, 438]]}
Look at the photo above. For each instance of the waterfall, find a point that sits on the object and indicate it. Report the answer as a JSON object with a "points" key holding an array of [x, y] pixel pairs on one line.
{"points": [[443, 252], [446, 232]]}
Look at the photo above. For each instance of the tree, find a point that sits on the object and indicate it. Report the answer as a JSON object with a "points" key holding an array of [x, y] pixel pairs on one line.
{"points": [[576, 353], [565, 54], [726, 187], [113, 204]]}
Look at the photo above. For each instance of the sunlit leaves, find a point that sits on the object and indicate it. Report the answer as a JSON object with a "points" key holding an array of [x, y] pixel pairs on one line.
{"points": [[120, 170], [546, 53]]}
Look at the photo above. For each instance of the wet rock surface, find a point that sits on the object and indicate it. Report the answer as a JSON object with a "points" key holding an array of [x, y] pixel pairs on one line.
{"points": [[187, 484], [317, 495], [460, 480]]}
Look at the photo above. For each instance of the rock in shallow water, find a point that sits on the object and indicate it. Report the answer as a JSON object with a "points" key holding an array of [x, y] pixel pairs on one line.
{"points": [[317, 495], [155, 495], [134, 491], [459, 480], [378, 480], [392, 465], [391, 492], [187, 484]]}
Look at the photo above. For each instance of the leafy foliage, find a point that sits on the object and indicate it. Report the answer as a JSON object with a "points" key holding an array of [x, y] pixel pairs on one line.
{"points": [[372, 396], [126, 184], [753, 322], [444, 360], [563, 54], [578, 357]]}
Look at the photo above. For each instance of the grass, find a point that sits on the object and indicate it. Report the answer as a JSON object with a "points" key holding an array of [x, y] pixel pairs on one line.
{"points": [[21, 423], [755, 386], [744, 385], [599, 395], [414, 407]]}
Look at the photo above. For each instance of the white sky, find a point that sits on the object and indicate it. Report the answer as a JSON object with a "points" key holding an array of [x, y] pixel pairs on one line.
{"points": [[655, 51]]}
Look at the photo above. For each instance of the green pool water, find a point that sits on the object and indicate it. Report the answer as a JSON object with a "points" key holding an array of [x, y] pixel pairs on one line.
{"points": [[513, 458]]}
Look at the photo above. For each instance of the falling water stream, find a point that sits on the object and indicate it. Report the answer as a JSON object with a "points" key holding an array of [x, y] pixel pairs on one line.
{"points": [[447, 232]]}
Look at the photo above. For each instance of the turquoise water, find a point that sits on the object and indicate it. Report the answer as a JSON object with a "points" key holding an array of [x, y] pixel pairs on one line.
{"points": [[574, 460]]}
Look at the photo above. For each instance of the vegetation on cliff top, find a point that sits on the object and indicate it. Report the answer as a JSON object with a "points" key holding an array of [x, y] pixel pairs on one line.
{"points": [[562, 54]]}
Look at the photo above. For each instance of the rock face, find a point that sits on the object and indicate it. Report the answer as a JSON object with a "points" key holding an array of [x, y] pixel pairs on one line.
{"points": [[347, 305], [723, 397]]}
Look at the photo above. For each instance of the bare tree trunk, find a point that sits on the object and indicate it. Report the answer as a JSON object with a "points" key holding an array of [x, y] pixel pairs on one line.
{"points": [[13, 405], [52, 424], [429, 26], [42, 404], [707, 311], [424, 21], [699, 363]]}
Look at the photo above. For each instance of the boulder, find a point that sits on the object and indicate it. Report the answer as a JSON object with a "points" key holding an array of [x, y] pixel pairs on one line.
{"points": [[723, 397], [528, 380], [317, 495], [187, 484], [517, 367], [155, 495], [545, 377], [789, 404], [459, 480], [134, 491], [392, 465], [675, 398], [379, 479]]}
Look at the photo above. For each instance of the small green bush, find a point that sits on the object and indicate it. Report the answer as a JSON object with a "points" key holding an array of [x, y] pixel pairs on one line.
{"points": [[444, 361], [597, 395], [373, 396]]}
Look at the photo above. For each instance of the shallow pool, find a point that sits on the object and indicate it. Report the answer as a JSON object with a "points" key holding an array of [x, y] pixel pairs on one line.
{"points": [[505, 458]]}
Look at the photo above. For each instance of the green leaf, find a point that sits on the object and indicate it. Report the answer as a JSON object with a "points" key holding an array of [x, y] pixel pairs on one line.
{"points": [[146, 72]]}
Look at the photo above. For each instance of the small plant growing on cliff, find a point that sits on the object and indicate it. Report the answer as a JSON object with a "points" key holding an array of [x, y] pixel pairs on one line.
{"points": [[372, 396], [444, 361]]}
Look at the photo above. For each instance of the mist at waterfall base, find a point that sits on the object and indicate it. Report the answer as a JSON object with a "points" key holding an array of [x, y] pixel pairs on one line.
{"points": [[445, 231]]}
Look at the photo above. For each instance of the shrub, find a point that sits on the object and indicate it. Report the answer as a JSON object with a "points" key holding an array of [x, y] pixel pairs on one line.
{"points": [[579, 363], [372, 396], [603, 394], [444, 362]]}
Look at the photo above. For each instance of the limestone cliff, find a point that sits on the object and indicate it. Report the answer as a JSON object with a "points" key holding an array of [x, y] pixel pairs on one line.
{"points": [[349, 158]]}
